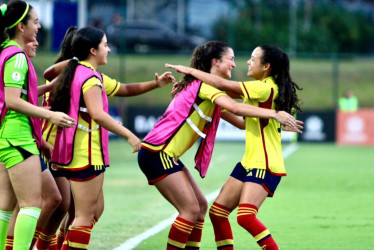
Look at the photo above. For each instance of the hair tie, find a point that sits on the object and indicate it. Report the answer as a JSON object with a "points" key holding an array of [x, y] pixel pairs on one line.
{"points": [[21, 18], [75, 58], [3, 9]]}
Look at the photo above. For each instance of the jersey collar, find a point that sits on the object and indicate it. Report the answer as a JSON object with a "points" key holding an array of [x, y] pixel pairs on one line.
{"points": [[9, 42], [87, 64]]}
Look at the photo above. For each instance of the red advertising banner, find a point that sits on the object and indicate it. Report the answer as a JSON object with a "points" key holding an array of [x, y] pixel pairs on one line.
{"points": [[355, 128]]}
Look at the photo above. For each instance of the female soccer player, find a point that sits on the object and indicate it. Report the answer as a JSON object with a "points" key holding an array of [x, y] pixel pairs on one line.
{"points": [[112, 88], [47, 238], [20, 133], [84, 163], [194, 112], [261, 169], [51, 197]]}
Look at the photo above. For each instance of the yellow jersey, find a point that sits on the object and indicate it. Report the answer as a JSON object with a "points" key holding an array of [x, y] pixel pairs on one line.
{"points": [[263, 149]]}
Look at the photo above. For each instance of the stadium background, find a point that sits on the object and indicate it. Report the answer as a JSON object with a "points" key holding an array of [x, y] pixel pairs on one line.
{"points": [[325, 202]]}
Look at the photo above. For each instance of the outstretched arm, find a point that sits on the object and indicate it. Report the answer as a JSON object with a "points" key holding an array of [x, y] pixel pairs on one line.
{"points": [[234, 120], [238, 122], [133, 89], [242, 109], [215, 81]]}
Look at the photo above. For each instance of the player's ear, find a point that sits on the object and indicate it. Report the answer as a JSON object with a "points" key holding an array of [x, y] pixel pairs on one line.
{"points": [[21, 26], [267, 66], [93, 51], [215, 61]]}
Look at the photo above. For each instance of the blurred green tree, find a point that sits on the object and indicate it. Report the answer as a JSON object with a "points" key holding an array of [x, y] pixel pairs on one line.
{"points": [[323, 26]]}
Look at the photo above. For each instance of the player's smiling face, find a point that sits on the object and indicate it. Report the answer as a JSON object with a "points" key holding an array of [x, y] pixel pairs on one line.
{"points": [[256, 68], [103, 51], [226, 64], [30, 48], [32, 27]]}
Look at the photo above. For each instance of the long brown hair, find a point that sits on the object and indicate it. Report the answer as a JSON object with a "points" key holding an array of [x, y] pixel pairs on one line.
{"points": [[202, 59], [85, 39], [66, 51]]}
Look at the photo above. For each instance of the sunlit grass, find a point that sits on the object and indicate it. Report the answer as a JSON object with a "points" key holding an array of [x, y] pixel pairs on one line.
{"points": [[325, 202]]}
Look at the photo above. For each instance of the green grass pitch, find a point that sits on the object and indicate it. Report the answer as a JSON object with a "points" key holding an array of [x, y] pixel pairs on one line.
{"points": [[325, 202]]}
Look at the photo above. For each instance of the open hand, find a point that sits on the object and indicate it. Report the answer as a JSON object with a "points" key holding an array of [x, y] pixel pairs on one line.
{"points": [[297, 128], [179, 68], [164, 79], [62, 120], [285, 118]]}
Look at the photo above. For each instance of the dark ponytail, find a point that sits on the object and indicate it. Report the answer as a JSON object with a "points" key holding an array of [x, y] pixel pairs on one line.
{"points": [[202, 59], [10, 16], [287, 98], [66, 51], [83, 41], [60, 100]]}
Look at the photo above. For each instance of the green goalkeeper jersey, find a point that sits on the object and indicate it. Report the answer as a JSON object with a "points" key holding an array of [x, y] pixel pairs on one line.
{"points": [[15, 125]]}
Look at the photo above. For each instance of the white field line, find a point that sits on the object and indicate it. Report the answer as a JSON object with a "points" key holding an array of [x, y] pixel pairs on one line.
{"points": [[290, 149], [136, 240]]}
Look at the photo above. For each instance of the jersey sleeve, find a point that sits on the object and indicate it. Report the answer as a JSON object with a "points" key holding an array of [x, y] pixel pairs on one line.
{"points": [[255, 90], [111, 85], [15, 71], [209, 92], [93, 81]]}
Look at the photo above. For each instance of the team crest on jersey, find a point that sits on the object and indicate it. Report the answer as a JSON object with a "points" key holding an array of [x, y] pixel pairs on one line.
{"points": [[16, 76]]}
